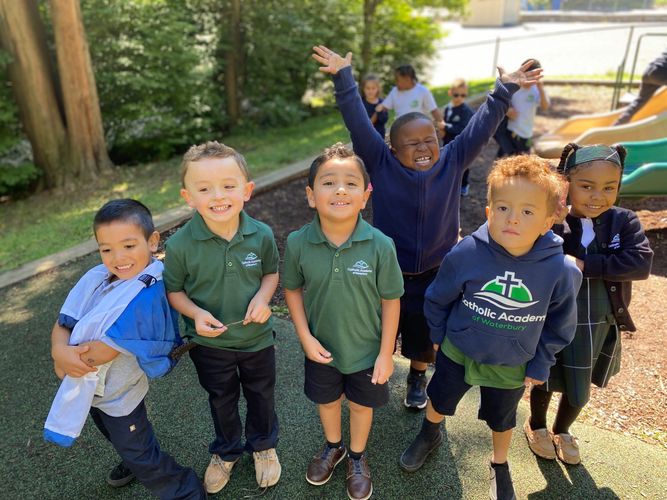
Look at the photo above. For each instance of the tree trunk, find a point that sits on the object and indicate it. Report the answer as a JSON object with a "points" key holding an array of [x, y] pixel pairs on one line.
{"points": [[366, 43], [61, 118], [233, 57], [87, 147], [22, 36]]}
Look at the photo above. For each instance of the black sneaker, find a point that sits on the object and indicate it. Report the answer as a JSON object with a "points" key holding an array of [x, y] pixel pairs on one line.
{"points": [[414, 457], [501, 482], [416, 391], [120, 476]]}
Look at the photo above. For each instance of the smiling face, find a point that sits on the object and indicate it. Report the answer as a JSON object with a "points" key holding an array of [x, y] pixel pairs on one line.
{"points": [[339, 192], [416, 145], [217, 189], [594, 188], [518, 215], [124, 249]]}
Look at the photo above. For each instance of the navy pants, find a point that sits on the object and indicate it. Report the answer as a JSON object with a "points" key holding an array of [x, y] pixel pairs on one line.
{"points": [[133, 438], [653, 78], [222, 374]]}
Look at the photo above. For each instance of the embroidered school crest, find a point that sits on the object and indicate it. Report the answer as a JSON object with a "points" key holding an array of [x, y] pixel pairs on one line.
{"points": [[615, 242], [251, 260], [360, 268], [506, 292]]}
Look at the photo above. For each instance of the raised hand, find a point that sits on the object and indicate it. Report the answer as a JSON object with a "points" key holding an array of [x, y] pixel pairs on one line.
{"points": [[331, 62], [521, 76]]}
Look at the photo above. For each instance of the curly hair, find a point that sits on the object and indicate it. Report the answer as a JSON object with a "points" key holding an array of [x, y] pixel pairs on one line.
{"points": [[532, 168]]}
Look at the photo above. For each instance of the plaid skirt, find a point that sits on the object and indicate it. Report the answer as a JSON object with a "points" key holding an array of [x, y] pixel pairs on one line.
{"points": [[594, 356]]}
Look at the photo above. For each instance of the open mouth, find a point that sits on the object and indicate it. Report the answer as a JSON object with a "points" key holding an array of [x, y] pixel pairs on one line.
{"points": [[219, 209], [423, 161], [123, 268], [340, 204]]}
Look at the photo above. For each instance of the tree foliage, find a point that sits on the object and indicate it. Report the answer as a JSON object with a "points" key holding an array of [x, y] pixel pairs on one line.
{"points": [[162, 66]]}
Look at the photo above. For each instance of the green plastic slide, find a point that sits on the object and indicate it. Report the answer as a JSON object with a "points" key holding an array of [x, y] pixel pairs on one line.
{"points": [[645, 172]]}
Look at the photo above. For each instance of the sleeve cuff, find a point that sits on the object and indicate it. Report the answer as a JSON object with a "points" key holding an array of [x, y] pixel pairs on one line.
{"points": [[343, 80]]}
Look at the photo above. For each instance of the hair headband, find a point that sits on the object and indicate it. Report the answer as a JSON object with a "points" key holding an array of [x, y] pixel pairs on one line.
{"points": [[592, 153]]}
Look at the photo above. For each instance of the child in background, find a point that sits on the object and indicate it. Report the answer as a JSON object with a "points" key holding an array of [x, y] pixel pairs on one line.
{"points": [[115, 328], [612, 251], [370, 86], [411, 96], [221, 270], [417, 191], [494, 318], [342, 286], [457, 115], [515, 134]]}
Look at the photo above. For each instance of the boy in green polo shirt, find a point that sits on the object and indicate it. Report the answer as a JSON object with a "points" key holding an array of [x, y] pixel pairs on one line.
{"points": [[221, 270], [342, 286]]}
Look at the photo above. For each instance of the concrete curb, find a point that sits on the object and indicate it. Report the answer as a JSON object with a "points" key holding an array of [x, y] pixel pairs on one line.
{"points": [[163, 222], [169, 219], [560, 16]]}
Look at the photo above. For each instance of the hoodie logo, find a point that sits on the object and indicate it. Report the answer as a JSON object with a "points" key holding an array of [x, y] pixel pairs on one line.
{"points": [[360, 268], [251, 260], [615, 242], [506, 292]]}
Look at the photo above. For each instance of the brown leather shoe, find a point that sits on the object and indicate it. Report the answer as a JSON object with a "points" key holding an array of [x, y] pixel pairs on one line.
{"points": [[359, 485], [322, 465]]}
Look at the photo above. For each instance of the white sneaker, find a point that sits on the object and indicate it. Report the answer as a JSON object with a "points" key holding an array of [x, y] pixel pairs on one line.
{"points": [[217, 474], [267, 467]]}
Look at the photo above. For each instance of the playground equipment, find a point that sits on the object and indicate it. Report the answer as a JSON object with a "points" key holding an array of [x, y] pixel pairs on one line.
{"points": [[645, 172], [650, 122]]}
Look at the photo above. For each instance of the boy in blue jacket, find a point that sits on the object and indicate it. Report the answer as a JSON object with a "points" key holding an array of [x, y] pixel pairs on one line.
{"points": [[416, 192], [501, 306]]}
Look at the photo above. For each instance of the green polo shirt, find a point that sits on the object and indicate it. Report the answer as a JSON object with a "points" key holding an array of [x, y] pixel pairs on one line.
{"points": [[342, 289], [222, 277], [485, 375]]}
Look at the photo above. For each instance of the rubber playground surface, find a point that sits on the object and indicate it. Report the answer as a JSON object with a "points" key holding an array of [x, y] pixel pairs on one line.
{"points": [[615, 466]]}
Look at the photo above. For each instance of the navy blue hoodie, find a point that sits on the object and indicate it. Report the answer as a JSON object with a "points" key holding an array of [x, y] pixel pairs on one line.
{"points": [[418, 210], [499, 309]]}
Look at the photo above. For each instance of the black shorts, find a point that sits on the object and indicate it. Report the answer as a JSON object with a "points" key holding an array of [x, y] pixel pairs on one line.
{"points": [[412, 327], [497, 406], [325, 384]]}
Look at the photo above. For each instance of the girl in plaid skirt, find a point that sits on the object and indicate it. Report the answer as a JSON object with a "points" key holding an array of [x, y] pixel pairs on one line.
{"points": [[611, 250]]}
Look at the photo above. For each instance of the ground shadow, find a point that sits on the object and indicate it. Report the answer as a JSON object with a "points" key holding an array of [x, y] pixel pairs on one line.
{"points": [[568, 481]]}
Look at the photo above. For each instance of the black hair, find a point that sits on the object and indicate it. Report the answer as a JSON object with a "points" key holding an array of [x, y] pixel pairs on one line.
{"points": [[406, 70], [536, 64], [566, 168], [336, 151], [125, 210], [402, 120]]}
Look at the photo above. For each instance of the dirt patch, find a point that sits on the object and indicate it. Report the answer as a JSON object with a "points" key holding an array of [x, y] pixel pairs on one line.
{"points": [[635, 402]]}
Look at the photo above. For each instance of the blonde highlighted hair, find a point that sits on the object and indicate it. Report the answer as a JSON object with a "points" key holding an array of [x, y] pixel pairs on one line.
{"points": [[212, 149]]}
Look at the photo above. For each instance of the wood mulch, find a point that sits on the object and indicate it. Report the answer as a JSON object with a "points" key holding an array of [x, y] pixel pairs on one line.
{"points": [[635, 402]]}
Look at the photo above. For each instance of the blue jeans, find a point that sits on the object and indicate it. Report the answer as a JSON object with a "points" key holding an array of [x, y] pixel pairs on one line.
{"points": [[133, 438]]}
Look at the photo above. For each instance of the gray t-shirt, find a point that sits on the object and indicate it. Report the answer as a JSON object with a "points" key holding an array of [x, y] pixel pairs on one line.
{"points": [[126, 384]]}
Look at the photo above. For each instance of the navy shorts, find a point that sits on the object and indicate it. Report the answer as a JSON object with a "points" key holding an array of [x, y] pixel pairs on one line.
{"points": [[497, 406], [325, 384], [415, 334]]}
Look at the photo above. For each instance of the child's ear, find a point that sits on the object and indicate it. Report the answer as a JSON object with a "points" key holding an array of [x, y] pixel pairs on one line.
{"points": [[247, 190], [186, 196], [311, 197], [153, 241], [367, 195], [486, 212], [449, 91]]}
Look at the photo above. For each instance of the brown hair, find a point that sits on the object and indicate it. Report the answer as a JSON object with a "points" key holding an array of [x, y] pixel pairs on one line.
{"points": [[337, 151], [212, 149], [458, 82], [532, 168]]}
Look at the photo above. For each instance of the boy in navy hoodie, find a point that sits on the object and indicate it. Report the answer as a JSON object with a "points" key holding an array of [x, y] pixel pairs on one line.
{"points": [[501, 306], [416, 192]]}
